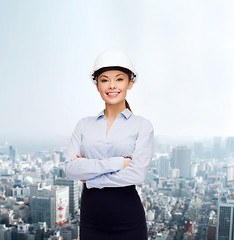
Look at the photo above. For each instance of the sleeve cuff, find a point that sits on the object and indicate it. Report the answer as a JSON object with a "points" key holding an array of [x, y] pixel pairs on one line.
{"points": [[93, 183]]}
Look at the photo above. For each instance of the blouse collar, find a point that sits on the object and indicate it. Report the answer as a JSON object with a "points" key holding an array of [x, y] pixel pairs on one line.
{"points": [[126, 113]]}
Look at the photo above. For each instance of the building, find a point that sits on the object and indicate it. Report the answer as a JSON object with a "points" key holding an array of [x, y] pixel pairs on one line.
{"points": [[164, 166], [198, 149], [181, 159], [225, 224], [67, 233], [217, 150], [51, 205], [61, 154], [230, 172], [56, 158], [174, 173], [12, 154], [230, 145], [43, 210], [58, 173], [73, 193]]}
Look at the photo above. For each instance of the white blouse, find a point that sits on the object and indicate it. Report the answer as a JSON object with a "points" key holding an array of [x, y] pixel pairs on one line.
{"points": [[103, 154]]}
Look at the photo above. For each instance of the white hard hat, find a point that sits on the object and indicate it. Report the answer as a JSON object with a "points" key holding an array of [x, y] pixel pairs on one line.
{"points": [[113, 59]]}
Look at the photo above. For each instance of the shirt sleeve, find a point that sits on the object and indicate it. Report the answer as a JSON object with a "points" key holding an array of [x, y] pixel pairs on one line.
{"points": [[83, 168], [136, 172]]}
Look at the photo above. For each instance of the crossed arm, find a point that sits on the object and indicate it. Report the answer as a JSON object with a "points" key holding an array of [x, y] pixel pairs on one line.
{"points": [[115, 171], [126, 163]]}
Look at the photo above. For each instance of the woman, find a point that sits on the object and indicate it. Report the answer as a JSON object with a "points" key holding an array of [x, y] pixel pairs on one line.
{"points": [[111, 153]]}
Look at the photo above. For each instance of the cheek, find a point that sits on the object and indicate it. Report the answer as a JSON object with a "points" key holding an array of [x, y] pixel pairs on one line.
{"points": [[125, 87], [101, 89]]}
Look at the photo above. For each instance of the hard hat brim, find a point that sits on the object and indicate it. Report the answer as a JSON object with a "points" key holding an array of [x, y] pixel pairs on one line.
{"points": [[94, 74]]}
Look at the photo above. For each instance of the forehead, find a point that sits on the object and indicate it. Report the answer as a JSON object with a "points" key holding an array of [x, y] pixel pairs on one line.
{"points": [[112, 73]]}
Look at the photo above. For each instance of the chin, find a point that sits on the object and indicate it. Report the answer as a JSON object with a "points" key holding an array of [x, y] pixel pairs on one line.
{"points": [[114, 102]]}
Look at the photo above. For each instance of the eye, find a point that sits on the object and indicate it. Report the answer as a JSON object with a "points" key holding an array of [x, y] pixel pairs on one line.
{"points": [[120, 79], [104, 80]]}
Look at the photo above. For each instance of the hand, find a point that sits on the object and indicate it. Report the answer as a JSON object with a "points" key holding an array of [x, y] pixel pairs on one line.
{"points": [[77, 156], [126, 161]]}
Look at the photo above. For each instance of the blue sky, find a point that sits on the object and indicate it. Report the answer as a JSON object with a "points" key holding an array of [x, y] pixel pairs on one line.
{"points": [[182, 50]]}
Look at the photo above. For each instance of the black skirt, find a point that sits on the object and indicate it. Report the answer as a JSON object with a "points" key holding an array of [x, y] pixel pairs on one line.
{"points": [[112, 213]]}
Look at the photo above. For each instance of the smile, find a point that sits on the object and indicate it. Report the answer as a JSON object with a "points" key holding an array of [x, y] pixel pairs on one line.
{"points": [[114, 94]]}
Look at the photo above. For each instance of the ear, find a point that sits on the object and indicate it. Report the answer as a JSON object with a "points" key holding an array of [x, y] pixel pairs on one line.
{"points": [[130, 84]]}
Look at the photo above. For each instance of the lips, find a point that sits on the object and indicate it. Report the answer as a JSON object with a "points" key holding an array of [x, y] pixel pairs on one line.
{"points": [[112, 93]]}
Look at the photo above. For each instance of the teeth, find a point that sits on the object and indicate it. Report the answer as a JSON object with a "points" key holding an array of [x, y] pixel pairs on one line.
{"points": [[113, 93]]}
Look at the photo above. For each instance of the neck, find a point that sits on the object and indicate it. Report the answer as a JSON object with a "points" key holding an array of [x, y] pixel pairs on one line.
{"points": [[113, 110]]}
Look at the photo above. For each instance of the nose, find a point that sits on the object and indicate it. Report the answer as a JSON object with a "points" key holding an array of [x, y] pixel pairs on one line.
{"points": [[112, 84]]}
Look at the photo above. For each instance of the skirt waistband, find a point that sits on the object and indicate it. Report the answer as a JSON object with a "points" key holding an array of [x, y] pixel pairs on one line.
{"points": [[117, 189]]}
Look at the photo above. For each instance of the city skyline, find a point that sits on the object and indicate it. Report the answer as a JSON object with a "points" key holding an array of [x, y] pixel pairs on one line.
{"points": [[184, 55], [193, 199]]}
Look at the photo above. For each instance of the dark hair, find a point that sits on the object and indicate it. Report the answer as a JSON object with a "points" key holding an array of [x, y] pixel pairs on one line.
{"points": [[104, 69], [127, 105]]}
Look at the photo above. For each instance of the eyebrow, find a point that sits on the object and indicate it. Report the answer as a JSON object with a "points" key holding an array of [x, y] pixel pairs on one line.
{"points": [[103, 76], [119, 74], [115, 76]]}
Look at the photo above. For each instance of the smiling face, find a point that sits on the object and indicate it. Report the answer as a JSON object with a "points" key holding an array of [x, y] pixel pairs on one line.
{"points": [[113, 85]]}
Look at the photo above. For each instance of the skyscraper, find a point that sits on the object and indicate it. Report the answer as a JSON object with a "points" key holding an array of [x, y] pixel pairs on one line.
{"points": [[230, 145], [198, 149], [225, 225], [61, 154], [73, 193], [12, 154], [56, 158], [163, 166], [181, 159], [217, 150]]}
